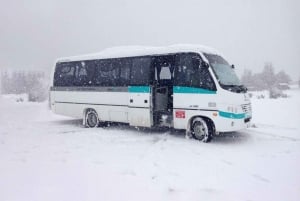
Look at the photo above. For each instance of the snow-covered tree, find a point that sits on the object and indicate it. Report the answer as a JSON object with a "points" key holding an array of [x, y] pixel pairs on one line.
{"points": [[247, 78], [268, 76], [5, 82], [265, 80], [282, 77], [33, 83]]}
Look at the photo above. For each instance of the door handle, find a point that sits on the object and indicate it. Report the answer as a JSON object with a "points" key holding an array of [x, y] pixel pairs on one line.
{"points": [[131, 100]]}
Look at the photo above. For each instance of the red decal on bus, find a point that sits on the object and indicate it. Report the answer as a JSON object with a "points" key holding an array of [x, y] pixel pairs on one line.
{"points": [[180, 114]]}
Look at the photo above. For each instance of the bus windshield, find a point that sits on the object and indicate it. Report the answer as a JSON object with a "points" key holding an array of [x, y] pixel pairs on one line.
{"points": [[225, 73]]}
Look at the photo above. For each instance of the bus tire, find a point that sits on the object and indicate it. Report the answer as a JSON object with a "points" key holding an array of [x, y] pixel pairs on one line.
{"points": [[91, 119], [201, 129]]}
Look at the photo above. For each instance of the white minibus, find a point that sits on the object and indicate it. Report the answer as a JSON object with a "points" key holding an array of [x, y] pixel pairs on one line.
{"points": [[188, 87]]}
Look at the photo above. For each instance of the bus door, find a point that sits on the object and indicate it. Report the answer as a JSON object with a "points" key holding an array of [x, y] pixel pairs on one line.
{"points": [[140, 101], [140, 106], [162, 91]]}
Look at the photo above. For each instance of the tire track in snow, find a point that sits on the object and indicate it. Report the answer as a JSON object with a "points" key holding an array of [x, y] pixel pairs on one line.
{"points": [[272, 135]]}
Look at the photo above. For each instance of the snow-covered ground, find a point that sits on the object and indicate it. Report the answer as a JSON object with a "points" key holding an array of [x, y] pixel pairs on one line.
{"points": [[46, 157]]}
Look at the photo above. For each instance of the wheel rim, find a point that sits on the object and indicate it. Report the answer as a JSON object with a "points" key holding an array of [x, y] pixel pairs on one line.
{"points": [[200, 130], [92, 119]]}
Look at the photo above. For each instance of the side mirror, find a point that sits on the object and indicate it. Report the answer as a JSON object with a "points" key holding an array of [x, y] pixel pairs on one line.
{"points": [[204, 65], [232, 66]]}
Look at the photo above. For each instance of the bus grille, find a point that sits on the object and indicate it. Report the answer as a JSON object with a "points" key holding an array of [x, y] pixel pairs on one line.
{"points": [[247, 108]]}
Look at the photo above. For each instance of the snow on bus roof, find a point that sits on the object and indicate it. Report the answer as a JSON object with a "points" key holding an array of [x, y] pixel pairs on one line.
{"points": [[130, 51]]}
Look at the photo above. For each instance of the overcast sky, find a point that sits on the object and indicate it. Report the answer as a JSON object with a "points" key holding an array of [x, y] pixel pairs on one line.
{"points": [[249, 32]]}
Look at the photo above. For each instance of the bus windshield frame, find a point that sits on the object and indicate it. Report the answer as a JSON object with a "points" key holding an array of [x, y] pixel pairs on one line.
{"points": [[225, 73]]}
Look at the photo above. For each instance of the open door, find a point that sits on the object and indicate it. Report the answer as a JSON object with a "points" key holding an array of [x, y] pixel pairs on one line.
{"points": [[140, 106], [162, 95], [139, 98], [151, 92]]}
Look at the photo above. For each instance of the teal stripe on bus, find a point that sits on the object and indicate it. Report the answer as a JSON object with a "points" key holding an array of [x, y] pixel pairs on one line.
{"points": [[192, 90], [232, 115], [139, 89]]}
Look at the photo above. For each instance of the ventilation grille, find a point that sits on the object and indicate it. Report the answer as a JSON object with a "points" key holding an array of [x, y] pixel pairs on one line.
{"points": [[247, 108]]}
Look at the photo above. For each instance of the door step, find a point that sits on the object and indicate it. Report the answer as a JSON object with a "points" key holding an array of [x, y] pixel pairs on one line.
{"points": [[166, 120]]}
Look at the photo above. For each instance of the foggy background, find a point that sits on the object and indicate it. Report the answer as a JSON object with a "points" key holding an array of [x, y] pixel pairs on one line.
{"points": [[248, 32]]}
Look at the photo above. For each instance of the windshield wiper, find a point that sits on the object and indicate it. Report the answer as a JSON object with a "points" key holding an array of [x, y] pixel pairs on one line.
{"points": [[236, 88]]}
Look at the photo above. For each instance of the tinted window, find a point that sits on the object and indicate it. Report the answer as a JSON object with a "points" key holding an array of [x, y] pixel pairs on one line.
{"points": [[185, 70], [64, 74], [89, 67], [124, 65], [82, 77], [206, 81], [189, 73], [106, 74], [140, 71]]}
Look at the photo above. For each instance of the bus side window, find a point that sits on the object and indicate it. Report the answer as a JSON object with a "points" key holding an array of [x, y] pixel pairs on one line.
{"points": [[64, 74], [140, 71], [184, 73], [124, 64], [206, 81], [90, 70], [81, 76], [189, 73], [106, 73]]}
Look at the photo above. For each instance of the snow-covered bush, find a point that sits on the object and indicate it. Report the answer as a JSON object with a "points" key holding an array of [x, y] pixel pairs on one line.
{"points": [[276, 93]]}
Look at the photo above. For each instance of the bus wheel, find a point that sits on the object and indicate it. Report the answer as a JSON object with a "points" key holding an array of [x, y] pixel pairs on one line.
{"points": [[201, 130], [91, 119]]}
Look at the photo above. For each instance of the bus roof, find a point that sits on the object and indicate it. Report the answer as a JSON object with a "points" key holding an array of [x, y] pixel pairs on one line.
{"points": [[131, 51]]}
